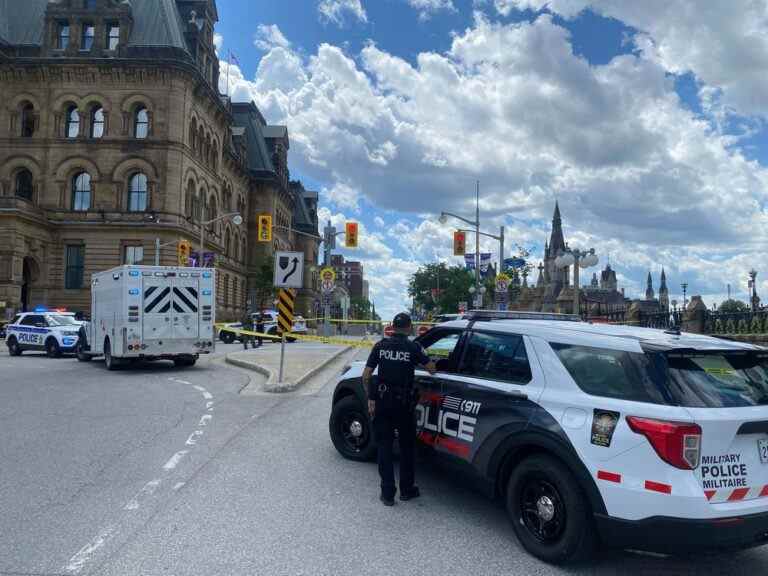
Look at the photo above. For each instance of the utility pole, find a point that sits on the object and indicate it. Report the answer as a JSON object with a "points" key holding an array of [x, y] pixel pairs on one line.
{"points": [[478, 296]]}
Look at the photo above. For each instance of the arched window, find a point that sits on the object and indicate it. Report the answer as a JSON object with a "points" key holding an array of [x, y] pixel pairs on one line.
{"points": [[73, 122], [81, 191], [97, 122], [137, 193], [27, 120], [193, 135], [227, 243], [212, 213], [141, 123], [24, 184], [113, 35]]}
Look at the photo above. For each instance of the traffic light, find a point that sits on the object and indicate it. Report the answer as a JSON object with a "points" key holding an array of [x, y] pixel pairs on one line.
{"points": [[182, 252], [459, 243], [351, 234], [265, 228]]}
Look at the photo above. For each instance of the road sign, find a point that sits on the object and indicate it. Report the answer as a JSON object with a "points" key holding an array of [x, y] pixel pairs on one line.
{"points": [[350, 234], [389, 331], [289, 269], [285, 306], [265, 228], [459, 243], [328, 280], [502, 283]]}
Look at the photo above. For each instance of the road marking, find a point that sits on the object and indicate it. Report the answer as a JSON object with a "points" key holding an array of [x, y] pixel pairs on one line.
{"points": [[148, 489], [207, 395], [80, 559], [204, 420], [199, 388], [180, 381], [192, 440], [174, 460], [209, 405], [178, 485]]}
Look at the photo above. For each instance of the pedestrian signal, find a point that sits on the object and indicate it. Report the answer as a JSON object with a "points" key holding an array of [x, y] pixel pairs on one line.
{"points": [[265, 228], [183, 250], [351, 234], [459, 243]]}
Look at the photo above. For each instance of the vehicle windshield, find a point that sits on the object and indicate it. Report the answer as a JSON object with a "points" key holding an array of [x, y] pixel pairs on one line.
{"points": [[57, 320], [718, 380]]}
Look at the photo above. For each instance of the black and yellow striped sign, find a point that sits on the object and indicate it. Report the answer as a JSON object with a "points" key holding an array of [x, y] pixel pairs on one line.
{"points": [[285, 310]]}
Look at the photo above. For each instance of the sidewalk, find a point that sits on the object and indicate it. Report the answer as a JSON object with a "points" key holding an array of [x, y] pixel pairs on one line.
{"points": [[302, 362]]}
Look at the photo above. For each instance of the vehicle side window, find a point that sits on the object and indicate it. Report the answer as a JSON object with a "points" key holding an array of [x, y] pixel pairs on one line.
{"points": [[33, 321], [440, 346], [497, 357], [16, 319]]}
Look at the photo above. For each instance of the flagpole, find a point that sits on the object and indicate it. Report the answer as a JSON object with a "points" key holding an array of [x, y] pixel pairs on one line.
{"points": [[229, 64]]}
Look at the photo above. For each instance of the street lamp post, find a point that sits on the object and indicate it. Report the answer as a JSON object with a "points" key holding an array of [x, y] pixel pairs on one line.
{"points": [[577, 259], [684, 286], [237, 219]]}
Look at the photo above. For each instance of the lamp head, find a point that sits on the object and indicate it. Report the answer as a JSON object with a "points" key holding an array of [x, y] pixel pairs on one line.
{"points": [[443, 218], [237, 219]]}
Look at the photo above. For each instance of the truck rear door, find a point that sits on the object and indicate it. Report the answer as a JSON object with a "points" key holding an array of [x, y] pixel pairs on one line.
{"points": [[156, 307], [186, 307]]}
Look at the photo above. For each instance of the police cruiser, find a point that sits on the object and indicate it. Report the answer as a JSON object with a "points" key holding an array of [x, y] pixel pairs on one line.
{"points": [[592, 434], [41, 330]]}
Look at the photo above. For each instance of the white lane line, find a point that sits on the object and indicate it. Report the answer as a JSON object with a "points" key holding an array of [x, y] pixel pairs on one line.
{"points": [[205, 419], [192, 440], [148, 489], [80, 559], [209, 405], [174, 460], [207, 395], [178, 485], [180, 381], [199, 388]]}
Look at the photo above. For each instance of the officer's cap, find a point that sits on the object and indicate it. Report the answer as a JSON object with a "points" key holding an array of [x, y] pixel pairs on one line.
{"points": [[401, 321]]}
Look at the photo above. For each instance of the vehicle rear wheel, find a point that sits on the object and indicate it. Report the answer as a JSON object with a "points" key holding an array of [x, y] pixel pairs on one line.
{"points": [[13, 347], [110, 361], [226, 337], [52, 349], [184, 361], [80, 352], [351, 430], [550, 515]]}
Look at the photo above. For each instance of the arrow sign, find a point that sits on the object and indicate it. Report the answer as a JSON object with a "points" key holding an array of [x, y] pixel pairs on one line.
{"points": [[289, 269]]}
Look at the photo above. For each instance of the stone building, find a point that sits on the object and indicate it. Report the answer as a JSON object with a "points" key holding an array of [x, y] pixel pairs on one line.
{"points": [[113, 135]]}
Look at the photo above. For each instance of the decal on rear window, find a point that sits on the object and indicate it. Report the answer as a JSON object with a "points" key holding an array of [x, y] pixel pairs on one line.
{"points": [[603, 426]]}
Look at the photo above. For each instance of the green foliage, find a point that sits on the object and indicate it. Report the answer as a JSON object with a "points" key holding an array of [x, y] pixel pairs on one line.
{"points": [[730, 306], [454, 283], [361, 308], [262, 282]]}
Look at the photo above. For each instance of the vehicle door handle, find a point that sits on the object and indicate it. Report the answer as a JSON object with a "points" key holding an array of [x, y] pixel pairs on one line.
{"points": [[515, 394]]}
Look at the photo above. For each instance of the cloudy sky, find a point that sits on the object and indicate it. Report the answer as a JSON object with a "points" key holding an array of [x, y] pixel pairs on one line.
{"points": [[646, 120]]}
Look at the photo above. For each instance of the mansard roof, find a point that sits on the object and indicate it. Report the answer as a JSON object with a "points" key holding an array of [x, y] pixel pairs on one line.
{"points": [[247, 116], [21, 23]]}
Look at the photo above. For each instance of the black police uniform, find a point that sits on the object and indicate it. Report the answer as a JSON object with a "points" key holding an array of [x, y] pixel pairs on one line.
{"points": [[393, 392]]}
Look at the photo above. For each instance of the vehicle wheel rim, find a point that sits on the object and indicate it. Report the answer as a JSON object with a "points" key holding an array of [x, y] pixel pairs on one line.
{"points": [[542, 510], [354, 431]]}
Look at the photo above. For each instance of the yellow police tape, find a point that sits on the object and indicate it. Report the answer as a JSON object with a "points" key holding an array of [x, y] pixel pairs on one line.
{"points": [[338, 321], [292, 335]]}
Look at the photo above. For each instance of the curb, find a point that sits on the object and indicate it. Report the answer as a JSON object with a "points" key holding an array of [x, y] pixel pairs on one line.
{"points": [[276, 387]]}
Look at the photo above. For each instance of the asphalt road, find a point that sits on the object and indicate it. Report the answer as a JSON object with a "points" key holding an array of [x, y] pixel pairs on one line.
{"points": [[157, 470]]}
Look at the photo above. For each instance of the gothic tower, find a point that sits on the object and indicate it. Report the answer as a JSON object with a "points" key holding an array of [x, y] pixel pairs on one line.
{"points": [[663, 293], [649, 288]]}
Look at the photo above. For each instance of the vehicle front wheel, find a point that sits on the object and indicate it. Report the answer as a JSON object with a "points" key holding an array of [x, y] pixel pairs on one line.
{"points": [[226, 337], [13, 347], [549, 513], [80, 352], [110, 361], [351, 430], [184, 361], [52, 349]]}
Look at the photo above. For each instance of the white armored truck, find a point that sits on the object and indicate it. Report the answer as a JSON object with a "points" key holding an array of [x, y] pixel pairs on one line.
{"points": [[150, 313]]}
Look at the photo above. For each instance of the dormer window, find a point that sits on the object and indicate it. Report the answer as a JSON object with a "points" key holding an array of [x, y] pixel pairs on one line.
{"points": [[113, 36], [88, 35], [62, 35]]}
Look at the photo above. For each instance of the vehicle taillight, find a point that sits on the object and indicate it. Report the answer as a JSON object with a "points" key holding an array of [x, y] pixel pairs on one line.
{"points": [[677, 443]]}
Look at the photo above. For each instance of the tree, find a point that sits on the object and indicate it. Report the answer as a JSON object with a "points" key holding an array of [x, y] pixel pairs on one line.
{"points": [[453, 283], [360, 307], [730, 306], [262, 282]]}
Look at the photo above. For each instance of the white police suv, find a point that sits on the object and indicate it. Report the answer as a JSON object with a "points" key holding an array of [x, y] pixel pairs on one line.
{"points": [[51, 332], [592, 434]]}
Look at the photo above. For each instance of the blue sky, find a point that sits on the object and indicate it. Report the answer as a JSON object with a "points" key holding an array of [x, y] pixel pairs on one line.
{"points": [[642, 130]]}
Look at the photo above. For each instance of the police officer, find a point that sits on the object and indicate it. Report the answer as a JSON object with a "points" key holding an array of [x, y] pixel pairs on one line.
{"points": [[247, 323], [391, 401], [260, 329]]}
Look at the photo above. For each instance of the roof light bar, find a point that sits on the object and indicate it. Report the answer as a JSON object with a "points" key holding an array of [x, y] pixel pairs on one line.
{"points": [[516, 315]]}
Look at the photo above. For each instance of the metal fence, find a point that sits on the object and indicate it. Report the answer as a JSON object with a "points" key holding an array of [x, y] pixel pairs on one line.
{"points": [[714, 322]]}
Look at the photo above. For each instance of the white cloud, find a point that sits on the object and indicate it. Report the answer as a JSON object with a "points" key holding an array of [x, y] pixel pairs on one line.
{"points": [[270, 36], [218, 42], [379, 221], [336, 10], [637, 174], [427, 8]]}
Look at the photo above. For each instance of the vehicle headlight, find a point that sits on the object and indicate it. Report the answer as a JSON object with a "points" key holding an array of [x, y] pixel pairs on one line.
{"points": [[71, 333]]}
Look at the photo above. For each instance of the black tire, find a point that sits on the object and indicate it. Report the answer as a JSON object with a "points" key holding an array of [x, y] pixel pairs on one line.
{"points": [[13, 347], [290, 340], [551, 516], [351, 430], [226, 337], [110, 362], [184, 361], [52, 349], [80, 353]]}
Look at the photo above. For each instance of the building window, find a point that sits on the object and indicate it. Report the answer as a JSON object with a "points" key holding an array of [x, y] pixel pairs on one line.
{"points": [[97, 122], [137, 194], [24, 184], [62, 35], [81, 192], [88, 34], [133, 255], [27, 120], [75, 264], [113, 36], [89, 4], [226, 289], [73, 122], [141, 123]]}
